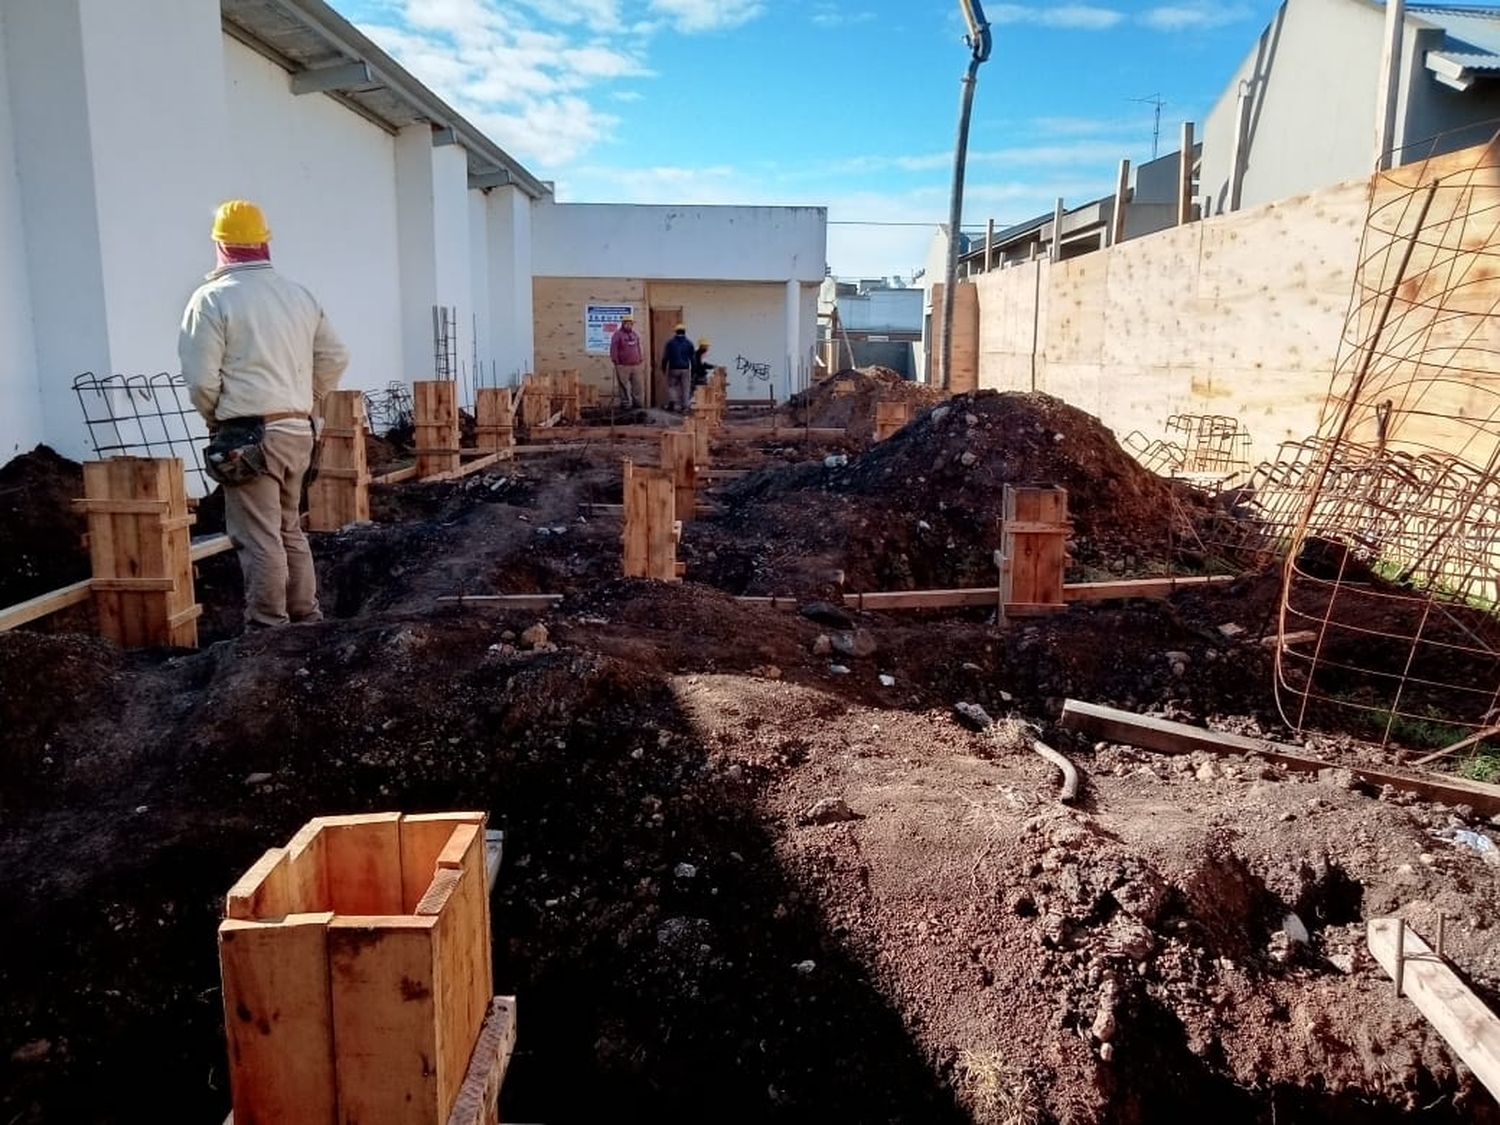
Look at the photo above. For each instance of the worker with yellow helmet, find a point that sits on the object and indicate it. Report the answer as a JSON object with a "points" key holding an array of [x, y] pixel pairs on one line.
{"points": [[259, 356], [700, 363], [677, 362]]}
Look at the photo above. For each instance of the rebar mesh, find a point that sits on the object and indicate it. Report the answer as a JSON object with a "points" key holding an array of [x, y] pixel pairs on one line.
{"points": [[1393, 565], [144, 416]]}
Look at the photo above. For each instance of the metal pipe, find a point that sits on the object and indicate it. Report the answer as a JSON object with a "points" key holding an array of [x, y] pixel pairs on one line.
{"points": [[955, 215]]}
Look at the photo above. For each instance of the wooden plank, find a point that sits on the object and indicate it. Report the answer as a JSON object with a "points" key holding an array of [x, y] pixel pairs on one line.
{"points": [[209, 546], [275, 979], [396, 476], [1167, 737], [504, 601], [462, 961], [634, 535], [362, 858], [1460, 1017], [470, 469], [423, 840], [307, 860], [677, 461], [1072, 592], [381, 973], [1141, 587], [478, 1097], [780, 601], [263, 892], [43, 605], [662, 526]]}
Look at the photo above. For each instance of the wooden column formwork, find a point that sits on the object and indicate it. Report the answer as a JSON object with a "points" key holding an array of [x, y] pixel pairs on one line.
{"points": [[533, 408], [1033, 554], [341, 494], [700, 429], [494, 419], [140, 551], [890, 417], [651, 525], [564, 396], [677, 461], [435, 420], [356, 971]]}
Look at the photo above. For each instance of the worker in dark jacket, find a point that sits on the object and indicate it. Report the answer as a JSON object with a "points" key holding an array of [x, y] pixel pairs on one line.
{"points": [[701, 368], [677, 362]]}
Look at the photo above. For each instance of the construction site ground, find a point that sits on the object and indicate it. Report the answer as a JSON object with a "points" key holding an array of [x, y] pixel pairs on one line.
{"points": [[745, 878]]}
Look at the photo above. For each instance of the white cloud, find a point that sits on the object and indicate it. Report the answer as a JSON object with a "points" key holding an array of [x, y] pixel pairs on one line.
{"points": [[707, 15], [1193, 16], [826, 14], [1083, 17]]}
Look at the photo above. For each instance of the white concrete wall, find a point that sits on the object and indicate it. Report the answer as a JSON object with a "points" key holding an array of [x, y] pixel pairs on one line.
{"points": [[743, 319], [509, 244], [479, 291], [45, 68], [21, 425], [707, 243], [326, 179]]}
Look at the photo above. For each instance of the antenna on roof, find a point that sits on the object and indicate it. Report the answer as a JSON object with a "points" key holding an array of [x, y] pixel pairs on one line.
{"points": [[1154, 100]]}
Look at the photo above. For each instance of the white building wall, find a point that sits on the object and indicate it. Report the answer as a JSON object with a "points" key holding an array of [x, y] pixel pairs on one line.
{"points": [[45, 68], [509, 235], [21, 414], [746, 321], [482, 342], [154, 80], [453, 267], [711, 243], [326, 179]]}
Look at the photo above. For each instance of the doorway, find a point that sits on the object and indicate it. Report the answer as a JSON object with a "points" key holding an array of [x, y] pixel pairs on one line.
{"points": [[663, 322]]}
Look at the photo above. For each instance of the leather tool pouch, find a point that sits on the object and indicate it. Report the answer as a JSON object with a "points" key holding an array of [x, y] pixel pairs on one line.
{"points": [[234, 455]]}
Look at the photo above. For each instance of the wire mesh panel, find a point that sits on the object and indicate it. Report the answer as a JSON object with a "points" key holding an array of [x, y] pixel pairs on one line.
{"points": [[390, 409], [144, 416], [1393, 572]]}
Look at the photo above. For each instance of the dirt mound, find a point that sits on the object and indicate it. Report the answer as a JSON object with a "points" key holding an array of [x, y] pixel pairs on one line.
{"points": [[848, 399], [923, 507], [41, 536]]}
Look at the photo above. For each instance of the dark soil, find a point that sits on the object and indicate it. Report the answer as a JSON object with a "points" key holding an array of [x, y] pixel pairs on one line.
{"points": [[685, 941], [41, 535], [847, 400]]}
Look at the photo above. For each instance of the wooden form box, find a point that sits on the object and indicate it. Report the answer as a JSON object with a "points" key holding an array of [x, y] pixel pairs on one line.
{"points": [[140, 551], [356, 971], [678, 463], [1033, 552], [494, 417], [341, 494], [651, 525], [435, 425], [890, 417]]}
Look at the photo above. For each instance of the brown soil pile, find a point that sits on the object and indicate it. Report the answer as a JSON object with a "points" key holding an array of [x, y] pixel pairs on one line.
{"points": [[848, 399], [41, 536], [923, 507]]}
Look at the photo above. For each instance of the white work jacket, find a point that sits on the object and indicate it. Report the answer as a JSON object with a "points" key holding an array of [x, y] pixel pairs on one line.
{"points": [[254, 343]]}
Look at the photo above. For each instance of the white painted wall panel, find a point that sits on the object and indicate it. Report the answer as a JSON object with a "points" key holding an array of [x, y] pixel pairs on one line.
{"points": [[20, 393], [669, 242], [326, 178], [742, 320]]}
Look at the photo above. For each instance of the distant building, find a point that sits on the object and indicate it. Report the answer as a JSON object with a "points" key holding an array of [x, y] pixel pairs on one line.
{"points": [[876, 321], [1301, 111]]}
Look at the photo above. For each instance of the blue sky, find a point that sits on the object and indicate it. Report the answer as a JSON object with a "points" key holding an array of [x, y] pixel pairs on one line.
{"points": [[851, 105]]}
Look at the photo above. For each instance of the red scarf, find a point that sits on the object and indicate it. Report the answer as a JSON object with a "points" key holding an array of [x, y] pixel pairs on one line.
{"points": [[229, 255]]}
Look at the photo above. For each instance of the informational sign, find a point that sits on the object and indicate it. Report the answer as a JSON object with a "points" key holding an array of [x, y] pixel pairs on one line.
{"points": [[599, 324]]}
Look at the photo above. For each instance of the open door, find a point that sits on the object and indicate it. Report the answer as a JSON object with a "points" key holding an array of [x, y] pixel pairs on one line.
{"points": [[663, 322]]}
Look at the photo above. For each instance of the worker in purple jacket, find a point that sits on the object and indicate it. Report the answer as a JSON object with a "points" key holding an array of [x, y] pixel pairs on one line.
{"points": [[628, 353]]}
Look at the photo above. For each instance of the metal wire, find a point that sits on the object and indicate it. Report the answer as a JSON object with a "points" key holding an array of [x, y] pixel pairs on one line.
{"points": [[144, 416], [389, 409]]}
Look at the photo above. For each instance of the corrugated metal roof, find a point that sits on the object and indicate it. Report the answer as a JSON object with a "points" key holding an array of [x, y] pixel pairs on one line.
{"points": [[1471, 41], [308, 35]]}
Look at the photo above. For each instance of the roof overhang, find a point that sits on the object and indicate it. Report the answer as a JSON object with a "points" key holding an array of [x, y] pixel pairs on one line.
{"points": [[1461, 71], [326, 54]]}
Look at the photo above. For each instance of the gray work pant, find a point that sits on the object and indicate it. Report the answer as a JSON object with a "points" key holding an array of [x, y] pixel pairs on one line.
{"points": [[680, 387], [265, 526]]}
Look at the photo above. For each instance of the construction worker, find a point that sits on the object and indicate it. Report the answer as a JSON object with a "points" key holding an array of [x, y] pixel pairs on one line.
{"points": [[677, 362], [259, 357], [700, 363], [628, 353]]}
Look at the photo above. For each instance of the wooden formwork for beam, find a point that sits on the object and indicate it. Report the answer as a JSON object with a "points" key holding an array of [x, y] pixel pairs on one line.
{"points": [[494, 419], [651, 525], [677, 461], [435, 421], [701, 430], [341, 494], [890, 417], [140, 551], [356, 975]]}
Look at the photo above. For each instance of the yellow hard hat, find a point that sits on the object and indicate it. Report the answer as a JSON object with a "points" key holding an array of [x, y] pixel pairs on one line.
{"points": [[703, 341], [240, 223], [627, 320], [680, 327]]}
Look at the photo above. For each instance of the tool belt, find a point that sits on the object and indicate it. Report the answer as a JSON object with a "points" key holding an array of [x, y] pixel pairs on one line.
{"points": [[235, 454]]}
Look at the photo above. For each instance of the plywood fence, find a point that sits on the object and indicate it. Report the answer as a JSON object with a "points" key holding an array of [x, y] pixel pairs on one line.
{"points": [[1240, 314]]}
